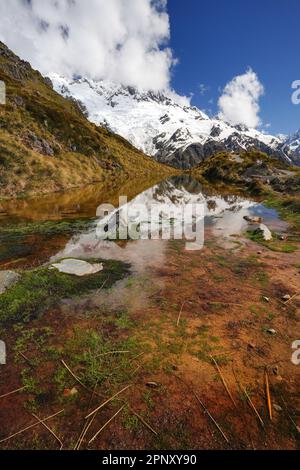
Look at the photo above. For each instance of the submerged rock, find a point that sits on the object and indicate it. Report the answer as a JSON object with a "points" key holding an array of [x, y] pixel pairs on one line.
{"points": [[7, 279], [77, 267], [253, 220]]}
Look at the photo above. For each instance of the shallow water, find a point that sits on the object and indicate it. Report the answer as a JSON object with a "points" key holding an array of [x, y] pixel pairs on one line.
{"points": [[224, 220]]}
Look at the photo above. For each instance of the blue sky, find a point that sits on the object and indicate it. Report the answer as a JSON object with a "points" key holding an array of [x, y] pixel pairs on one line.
{"points": [[217, 40], [129, 42]]}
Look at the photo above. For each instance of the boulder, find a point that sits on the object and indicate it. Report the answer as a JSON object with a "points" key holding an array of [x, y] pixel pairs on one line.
{"points": [[77, 267]]}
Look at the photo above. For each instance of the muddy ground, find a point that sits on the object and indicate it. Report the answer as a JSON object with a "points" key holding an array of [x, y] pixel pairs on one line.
{"points": [[199, 310]]}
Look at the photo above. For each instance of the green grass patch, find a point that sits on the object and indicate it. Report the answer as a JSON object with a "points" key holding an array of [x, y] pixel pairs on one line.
{"points": [[273, 245], [288, 208], [49, 228], [42, 288]]}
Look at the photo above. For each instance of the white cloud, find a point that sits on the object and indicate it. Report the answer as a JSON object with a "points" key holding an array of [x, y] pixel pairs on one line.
{"points": [[121, 40], [239, 102]]}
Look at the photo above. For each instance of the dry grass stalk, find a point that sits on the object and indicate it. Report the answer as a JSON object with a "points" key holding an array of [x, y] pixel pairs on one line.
{"points": [[268, 394], [106, 424], [180, 313], [84, 432], [13, 392], [107, 401], [292, 298], [223, 381], [204, 407], [77, 379], [144, 422], [112, 352], [100, 289], [253, 407], [49, 429], [212, 418], [288, 413], [31, 426], [87, 424], [221, 303]]}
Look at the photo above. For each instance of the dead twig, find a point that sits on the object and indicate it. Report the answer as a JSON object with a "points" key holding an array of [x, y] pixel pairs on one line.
{"points": [[268, 394], [107, 401], [49, 429], [13, 392], [223, 381], [106, 424], [31, 426]]}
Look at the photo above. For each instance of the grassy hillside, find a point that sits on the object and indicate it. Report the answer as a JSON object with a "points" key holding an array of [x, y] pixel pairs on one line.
{"points": [[47, 144], [256, 174], [252, 171]]}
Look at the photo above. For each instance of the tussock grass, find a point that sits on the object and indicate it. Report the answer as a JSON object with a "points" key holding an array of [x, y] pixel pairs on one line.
{"points": [[48, 145]]}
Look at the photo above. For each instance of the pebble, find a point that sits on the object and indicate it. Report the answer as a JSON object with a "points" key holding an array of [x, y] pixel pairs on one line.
{"points": [[70, 392], [271, 331], [277, 407], [266, 299], [286, 297], [152, 384]]}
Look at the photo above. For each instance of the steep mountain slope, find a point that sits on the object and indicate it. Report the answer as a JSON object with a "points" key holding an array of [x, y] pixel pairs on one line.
{"points": [[172, 133], [46, 142]]}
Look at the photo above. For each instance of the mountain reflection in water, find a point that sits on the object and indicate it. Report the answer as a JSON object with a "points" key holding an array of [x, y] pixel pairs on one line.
{"points": [[224, 216]]}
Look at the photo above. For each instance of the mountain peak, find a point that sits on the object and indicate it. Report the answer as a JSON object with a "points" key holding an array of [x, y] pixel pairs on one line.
{"points": [[162, 127]]}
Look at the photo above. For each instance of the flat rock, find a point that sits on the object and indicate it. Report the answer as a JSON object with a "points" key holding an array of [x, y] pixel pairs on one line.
{"points": [[7, 279], [77, 267]]}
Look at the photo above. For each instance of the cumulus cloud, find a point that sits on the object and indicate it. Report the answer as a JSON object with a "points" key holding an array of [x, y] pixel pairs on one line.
{"points": [[121, 40], [239, 102]]}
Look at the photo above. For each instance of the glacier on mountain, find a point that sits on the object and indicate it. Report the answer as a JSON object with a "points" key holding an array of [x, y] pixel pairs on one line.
{"points": [[164, 128]]}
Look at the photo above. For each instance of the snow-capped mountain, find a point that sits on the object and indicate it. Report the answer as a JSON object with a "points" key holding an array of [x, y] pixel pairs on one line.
{"points": [[293, 143], [163, 127]]}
